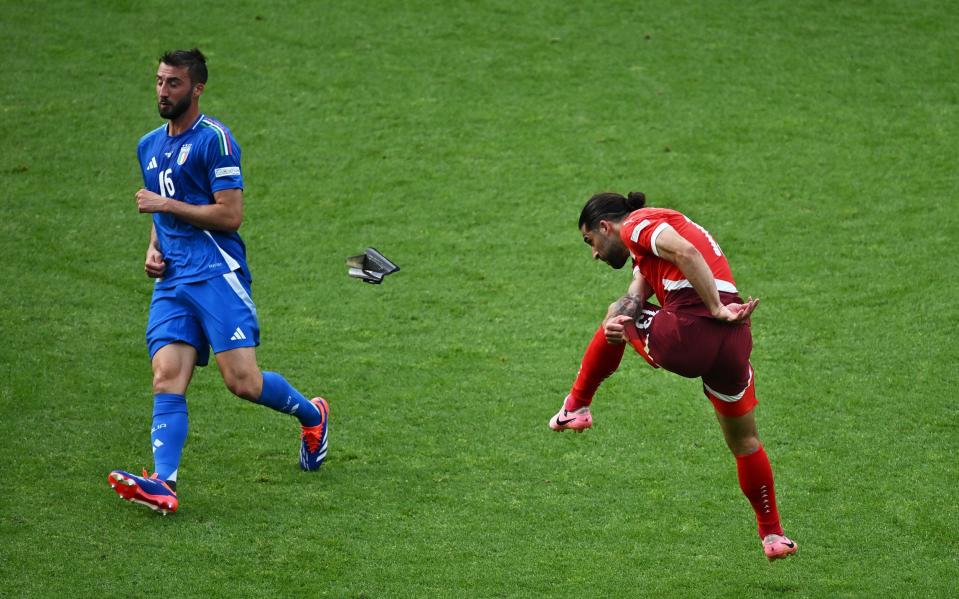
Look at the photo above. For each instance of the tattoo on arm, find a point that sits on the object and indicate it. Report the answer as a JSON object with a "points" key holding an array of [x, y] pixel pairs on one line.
{"points": [[628, 305]]}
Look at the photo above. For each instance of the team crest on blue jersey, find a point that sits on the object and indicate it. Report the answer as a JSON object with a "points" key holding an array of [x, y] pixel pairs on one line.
{"points": [[184, 152]]}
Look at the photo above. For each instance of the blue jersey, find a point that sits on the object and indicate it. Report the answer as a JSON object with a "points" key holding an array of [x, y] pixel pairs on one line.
{"points": [[190, 167]]}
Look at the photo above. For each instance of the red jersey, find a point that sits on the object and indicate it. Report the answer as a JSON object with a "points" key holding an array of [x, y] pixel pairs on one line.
{"points": [[639, 232]]}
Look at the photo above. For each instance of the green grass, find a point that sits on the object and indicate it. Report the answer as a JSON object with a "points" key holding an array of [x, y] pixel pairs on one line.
{"points": [[815, 140]]}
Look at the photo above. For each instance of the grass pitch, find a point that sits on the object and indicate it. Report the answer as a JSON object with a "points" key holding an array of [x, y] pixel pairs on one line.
{"points": [[814, 140]]}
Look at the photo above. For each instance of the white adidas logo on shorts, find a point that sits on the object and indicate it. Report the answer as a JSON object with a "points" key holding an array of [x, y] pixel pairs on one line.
{"points": [[237, 335]]}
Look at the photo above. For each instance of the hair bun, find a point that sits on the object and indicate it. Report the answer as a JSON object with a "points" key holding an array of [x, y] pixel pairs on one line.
{"points": [[635, 200]]}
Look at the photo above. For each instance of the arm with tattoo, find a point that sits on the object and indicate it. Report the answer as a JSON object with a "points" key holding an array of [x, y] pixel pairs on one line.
{"points": [[627, 308], [632, 303], [628, 305]]}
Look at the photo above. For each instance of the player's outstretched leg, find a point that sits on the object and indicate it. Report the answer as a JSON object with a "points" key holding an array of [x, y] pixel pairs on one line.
{"points": [[600, 360], [574, 420], [145, 490], [314, 441]]}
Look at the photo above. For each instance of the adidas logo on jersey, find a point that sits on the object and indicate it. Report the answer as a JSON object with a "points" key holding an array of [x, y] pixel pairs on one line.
{"points": [[153, 164], [237, 335]]}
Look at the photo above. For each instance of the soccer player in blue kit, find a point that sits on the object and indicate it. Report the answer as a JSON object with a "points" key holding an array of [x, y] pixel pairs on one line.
{"points": [[201, 297]]}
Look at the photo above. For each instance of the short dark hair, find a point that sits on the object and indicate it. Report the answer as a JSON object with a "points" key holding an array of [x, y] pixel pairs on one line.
{"points": [[193, 60], [610, 206]]}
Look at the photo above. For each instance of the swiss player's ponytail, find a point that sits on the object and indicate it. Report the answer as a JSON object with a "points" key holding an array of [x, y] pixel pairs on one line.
{"points": [[635, 200], [610, 206]]}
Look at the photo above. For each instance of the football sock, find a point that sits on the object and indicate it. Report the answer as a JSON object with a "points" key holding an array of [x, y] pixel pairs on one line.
{"points": [[279, 395], [168, 434], [756, 481], [600, 360]]}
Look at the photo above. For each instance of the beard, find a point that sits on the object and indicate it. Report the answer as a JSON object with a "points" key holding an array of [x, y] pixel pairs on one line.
{"points": [[172, 112], [617, 259]]}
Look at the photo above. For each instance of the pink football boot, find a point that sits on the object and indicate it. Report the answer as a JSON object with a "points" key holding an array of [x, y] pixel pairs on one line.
{"points": [[578, 420], [778, 547]]}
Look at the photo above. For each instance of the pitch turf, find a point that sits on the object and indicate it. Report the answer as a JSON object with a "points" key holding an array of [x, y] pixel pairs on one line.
{"points": [[815, 140]]}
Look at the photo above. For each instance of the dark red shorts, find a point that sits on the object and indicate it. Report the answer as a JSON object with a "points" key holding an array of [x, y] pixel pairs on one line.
{"points": [[696, 346]]}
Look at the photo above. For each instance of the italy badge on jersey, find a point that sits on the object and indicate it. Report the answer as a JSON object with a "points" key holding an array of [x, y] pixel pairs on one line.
{"points": [[184, 152]]}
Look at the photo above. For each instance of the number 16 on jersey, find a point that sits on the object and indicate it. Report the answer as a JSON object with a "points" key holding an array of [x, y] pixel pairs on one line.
{"points": [[167, 189]]}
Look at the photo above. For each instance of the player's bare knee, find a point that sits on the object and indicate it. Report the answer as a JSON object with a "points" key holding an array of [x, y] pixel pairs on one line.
{"points": [[242, 389], [160, 384], [167, 380], [245, 386], [744, 445]]}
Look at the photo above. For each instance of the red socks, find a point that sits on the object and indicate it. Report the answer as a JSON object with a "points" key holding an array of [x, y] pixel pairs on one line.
{"points": [[755, 474], [600, 360], [756, 481]]}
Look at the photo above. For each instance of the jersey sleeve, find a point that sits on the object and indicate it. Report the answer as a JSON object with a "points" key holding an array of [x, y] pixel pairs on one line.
{"points": [[223, 161], [639, 233]]}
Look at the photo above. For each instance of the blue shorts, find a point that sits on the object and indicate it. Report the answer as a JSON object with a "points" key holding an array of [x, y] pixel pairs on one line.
{"points": [[217, 312]]}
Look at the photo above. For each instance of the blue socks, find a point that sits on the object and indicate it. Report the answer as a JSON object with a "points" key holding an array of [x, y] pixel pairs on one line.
{"points": [[168, 433], [282, 397]]}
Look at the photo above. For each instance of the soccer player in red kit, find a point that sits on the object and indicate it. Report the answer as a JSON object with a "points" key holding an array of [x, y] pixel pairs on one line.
{"points": [[699, 330]]}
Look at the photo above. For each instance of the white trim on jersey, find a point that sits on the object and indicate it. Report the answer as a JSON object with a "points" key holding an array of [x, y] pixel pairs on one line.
{"points": [[237, 286], [721, 285], [730, 398], [652, 238], [634, 236], [231, 262]]}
